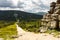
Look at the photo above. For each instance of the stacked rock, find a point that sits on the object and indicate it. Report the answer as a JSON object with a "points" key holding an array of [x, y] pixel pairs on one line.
{"points": [[51, 20]]}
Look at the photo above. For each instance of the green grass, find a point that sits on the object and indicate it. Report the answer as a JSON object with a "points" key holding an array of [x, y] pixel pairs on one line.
{"points": [[8, 31], [32, 26], [55, 32]]}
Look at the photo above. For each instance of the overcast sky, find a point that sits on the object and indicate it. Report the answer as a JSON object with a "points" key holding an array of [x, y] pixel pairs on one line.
{"points": [[26, 5]]}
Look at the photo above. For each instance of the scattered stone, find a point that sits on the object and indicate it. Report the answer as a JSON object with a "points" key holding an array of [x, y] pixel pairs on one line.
{"points": [[58, 36], [52, 33], [42, 30], [14, 36]]}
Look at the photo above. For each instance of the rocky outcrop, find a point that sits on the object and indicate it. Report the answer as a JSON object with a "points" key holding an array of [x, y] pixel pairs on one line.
{"points": [[58, 2], [51, 20]]}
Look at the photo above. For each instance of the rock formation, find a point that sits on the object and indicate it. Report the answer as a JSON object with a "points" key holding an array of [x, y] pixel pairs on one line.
{"points": [[51, 20]]}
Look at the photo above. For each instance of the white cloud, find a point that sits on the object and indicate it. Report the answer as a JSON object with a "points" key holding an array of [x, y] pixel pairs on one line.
{"points": [[15, 2], [27, 5], [5, 3], [47, 2], [35, 5]]}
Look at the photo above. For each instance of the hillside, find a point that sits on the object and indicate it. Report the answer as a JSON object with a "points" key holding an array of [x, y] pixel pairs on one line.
{"points": [[9, 15], [41, 13]]}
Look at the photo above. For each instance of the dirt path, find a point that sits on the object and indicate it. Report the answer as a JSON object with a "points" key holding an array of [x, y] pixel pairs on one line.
{"points": [[32, 36], [20, 30]]}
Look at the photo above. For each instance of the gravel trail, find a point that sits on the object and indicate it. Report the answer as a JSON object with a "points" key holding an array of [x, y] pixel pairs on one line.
{"points": [[23, 35]]}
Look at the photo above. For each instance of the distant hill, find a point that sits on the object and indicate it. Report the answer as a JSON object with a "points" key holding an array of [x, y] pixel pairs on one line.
{"points": [[9, 15], [41, 13]]}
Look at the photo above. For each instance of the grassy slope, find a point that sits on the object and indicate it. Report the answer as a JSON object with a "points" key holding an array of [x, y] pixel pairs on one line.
{"points": [[9, 30]]}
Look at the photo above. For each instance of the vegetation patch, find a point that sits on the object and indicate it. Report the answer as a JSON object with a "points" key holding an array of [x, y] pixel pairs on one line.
{"points": [[32, 26], [53, 32], [8, 29]]}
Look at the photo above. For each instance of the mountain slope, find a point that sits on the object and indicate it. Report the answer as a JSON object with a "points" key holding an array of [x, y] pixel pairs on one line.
{"points": [[41, 13], [9, 15]]}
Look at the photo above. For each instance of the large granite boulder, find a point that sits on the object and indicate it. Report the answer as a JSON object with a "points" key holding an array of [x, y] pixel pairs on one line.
{"points": [[59, 17], [53, 24], [57, 6], [57, 11], [59, 24], [58, 2], [54, 16], [52, 19], [52, 6]]}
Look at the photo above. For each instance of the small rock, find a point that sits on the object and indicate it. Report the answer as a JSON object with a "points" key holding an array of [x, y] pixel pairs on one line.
{"points": [[14, 36], [58, 36], [52, 33], [43, 29]]}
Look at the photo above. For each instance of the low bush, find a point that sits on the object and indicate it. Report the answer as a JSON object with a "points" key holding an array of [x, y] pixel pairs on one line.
{"points": [[32, 26]]}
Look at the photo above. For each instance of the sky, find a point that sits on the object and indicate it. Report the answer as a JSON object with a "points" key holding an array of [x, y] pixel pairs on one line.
{"points": [[26, 5]]}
